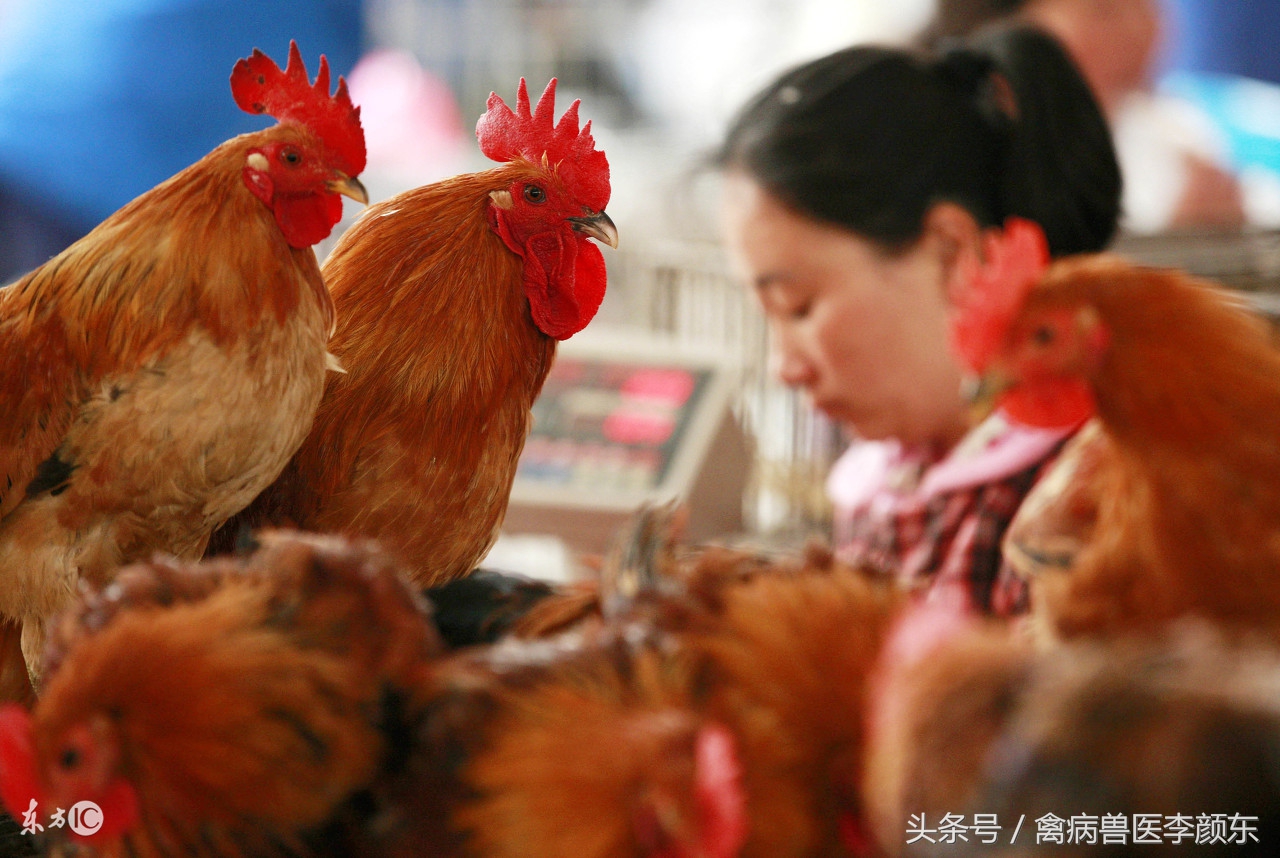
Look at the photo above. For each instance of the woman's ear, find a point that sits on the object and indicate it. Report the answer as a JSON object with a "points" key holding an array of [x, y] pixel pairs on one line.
{"points": [[956, 238]]}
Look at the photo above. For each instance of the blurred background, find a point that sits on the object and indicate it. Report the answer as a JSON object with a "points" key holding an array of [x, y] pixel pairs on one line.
{"points": [[101, 100]]}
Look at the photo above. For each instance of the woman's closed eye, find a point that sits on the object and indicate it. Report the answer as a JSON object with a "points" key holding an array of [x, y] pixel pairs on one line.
{"points": [[800, 311]]}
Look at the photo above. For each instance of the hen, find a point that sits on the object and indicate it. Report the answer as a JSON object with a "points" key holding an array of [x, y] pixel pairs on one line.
{"points": [[1182, 510], [984, 738], [158, 373], [227, 708], [1160, 745], [450, 300]]}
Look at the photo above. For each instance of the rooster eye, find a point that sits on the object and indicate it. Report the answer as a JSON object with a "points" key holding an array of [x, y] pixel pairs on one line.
{"points": [[535, 194], [1043, 335], [291, 156], [70, 758]]}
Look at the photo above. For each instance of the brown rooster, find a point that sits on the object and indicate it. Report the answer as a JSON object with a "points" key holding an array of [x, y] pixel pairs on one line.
{"points": [[785, 663], [569, 746], [450, 300], [231, 708], [1182, 514], [158, 373]]}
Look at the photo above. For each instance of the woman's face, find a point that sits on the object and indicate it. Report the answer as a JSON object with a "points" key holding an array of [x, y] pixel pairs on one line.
{"points": [[862, 332]]}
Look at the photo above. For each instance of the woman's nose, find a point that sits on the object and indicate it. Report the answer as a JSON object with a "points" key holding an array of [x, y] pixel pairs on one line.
{"points": [[787, 363]]}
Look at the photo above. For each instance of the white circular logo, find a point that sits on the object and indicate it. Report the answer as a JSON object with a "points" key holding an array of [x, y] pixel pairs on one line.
{"points": [[85, 818]]}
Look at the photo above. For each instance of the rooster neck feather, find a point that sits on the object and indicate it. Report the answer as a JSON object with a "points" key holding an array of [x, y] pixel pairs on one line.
{"points": [[197, 250], [1199, 371], [441, 270], [428, 261]]}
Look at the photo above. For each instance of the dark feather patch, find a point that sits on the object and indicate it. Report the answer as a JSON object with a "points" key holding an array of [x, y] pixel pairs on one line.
{"points": [[481, 607], [397, 728], [52, 476]]}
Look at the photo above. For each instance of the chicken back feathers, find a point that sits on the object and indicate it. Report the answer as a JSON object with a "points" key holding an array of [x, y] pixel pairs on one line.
{"points": [[588, 750], [417, 444], [160, 371]]}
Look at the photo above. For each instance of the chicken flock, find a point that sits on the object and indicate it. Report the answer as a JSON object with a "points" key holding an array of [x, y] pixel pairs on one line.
{"points": [[244, 497]]}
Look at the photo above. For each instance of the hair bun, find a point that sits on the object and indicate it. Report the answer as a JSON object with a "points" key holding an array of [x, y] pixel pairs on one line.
{"points": [[963, 67], [976, 76]]}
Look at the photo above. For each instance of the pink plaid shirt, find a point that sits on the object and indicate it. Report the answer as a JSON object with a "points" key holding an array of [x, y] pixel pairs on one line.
{"points": [[938, 524]]}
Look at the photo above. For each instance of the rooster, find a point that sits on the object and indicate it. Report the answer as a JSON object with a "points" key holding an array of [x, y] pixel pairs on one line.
{"points": [[227, 708], [450, 298], [1182, 511], [778, 650], [158, 373], [785, 661], [569, 746]]}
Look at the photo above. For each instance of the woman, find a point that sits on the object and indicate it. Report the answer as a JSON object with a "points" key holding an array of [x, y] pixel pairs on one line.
{"points": [[858, 190]]}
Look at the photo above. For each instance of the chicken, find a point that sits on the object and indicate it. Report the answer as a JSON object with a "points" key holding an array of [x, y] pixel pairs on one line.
{"points": [[569, 746], [1182, 515], [1172, 738], [782, 649], [230, 708], [160, 372], [786, 665], [978, 725], [450, 298]]}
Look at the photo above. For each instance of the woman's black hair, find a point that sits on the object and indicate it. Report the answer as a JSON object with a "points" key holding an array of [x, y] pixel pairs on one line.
{"points": [[869, 138]]}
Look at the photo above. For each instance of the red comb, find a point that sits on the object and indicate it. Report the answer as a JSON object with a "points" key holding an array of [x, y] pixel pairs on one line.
{"points": [[987, 303], [505, 134], [260, 86]]}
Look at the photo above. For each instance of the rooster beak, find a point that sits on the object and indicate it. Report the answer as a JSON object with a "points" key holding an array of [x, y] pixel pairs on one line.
{"points": [[598, 226], [982, 393], [349, 186]]}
